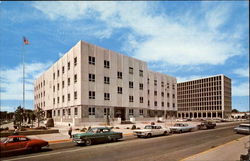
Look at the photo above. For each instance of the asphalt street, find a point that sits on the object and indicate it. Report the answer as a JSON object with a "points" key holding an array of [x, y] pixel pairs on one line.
{"points": [[172, 147]]}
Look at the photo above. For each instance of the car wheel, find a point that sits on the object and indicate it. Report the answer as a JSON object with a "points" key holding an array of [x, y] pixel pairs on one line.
{"points": [[88, 142], [149, 135], [139, 136], [180, 131], [165, 133], [36, 148], [114, 139]]}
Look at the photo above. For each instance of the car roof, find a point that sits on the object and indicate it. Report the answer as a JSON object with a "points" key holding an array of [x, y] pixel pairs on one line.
{"points": [[244, 124], [101, 128]]}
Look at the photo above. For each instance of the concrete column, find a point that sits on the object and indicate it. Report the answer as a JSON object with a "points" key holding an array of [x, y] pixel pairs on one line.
{"points": [[216, 114], [211, 114], [206, 114]]}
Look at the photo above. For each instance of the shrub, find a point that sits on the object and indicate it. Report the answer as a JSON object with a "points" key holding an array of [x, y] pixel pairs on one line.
{"points": [[138, 128], [77, 129], [133, 127], [83, 129], [127, 128], [117, 128]]}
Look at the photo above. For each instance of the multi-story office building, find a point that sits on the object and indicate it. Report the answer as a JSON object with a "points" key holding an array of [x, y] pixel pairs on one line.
{"points": [[89, 82], [205, 98]]}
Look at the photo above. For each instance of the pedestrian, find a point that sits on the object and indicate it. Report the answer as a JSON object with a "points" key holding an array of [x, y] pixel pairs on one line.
{"points": [[70, 131], [15, 130]]}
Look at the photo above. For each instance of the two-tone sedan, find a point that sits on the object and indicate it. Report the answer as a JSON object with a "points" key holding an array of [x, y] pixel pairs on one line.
{"points": [[151, 130], [181, 127], [243, 129], [97, 134], [13, 144]]}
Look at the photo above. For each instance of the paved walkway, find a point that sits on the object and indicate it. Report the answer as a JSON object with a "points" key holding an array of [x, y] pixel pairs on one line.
{"points": [[230, 151]]}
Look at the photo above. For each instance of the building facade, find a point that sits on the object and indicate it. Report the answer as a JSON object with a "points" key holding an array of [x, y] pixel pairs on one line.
{"points": [[205, 98], [89, 82]]}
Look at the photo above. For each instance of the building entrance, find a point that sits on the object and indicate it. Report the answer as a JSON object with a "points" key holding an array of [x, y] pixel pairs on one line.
{"points": [[120, 112]]}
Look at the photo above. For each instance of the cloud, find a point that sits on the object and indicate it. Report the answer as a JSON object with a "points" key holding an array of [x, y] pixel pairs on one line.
{"points": [[243, 72], [241, 89], [192, 40], [11, 80]]}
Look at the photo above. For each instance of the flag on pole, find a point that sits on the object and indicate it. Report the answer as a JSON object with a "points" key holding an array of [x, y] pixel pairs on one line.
{"points": [[25, 41]]}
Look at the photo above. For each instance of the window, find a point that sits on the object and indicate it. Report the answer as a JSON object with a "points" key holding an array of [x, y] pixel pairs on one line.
{"points": [[91, 77], [68, 65], [106, 64], [75, 78], [131, 99], [155, 93], [68, 97], [141, 73], [75, 111], [54, 100], [141, 86], [54, 76], [58, 73], [58, 112], [119, 90], [75, 61], [62, 84], [148, 81], [148, 103], [68, 81], [106, 80], [63, 98], [148, 91], [141, 111], [106, 96], [91, 60], [92, 111], [162, 94], [63, 112], [75, 95], [131, 84], [58, 86], [119, 75], [91, 94], [168, 104], [155, 103], [173, 105], [162, 84], [131, 70], [167, 85], [173, 86], [58, 100], [63, 70], [69, 111], [162, 104], [155, 82], [173, 95], [141, 99], [167, 95], [131, 112], [54, 88], [54, 113], [106, 111]]}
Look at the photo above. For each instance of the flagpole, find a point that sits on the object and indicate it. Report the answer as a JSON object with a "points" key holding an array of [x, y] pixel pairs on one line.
{"points": [[23, 79]]}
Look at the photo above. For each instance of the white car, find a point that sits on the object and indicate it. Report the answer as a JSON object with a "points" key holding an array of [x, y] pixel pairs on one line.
{"points": [[151, 130], [182, 127]]}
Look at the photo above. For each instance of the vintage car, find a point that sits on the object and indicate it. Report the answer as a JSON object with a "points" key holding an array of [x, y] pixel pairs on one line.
{"points": [[97, 134], [151, 130], [181, 127], [14, 144], [206, 125], [242, 129]]}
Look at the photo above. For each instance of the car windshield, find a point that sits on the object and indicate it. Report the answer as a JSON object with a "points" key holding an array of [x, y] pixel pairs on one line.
{"points": [[92, 130], [148, 127], [178, 125]]}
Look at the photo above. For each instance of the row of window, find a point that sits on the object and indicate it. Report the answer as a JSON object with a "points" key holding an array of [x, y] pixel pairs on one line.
{"points": [[40, 85], [201, 81], [63, 98], [64, 112], [63, 69]]}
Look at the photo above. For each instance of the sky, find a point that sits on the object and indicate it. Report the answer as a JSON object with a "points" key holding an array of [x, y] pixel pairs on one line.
{"points": [[187, 40]]}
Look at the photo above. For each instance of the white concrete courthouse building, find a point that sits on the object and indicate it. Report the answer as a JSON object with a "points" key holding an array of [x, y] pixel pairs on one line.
{"points": [[89, 82]]}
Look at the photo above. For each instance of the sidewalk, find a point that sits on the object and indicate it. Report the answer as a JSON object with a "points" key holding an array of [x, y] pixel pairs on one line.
{"points": [[230, 151]]}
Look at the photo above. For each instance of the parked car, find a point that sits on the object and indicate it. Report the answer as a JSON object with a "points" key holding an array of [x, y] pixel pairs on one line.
{"points": [[181, 127], [97, 134], [151, 130], [242, 129], [18, 143], [206, 125]]}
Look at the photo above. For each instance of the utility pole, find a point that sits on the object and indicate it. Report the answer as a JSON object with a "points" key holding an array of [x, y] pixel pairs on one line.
{"points": [[25, 42]]}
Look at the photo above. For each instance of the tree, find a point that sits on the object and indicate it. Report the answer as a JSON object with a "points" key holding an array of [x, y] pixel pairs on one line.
{"points": [[19, 115], [40, 114], [235, 111]]}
